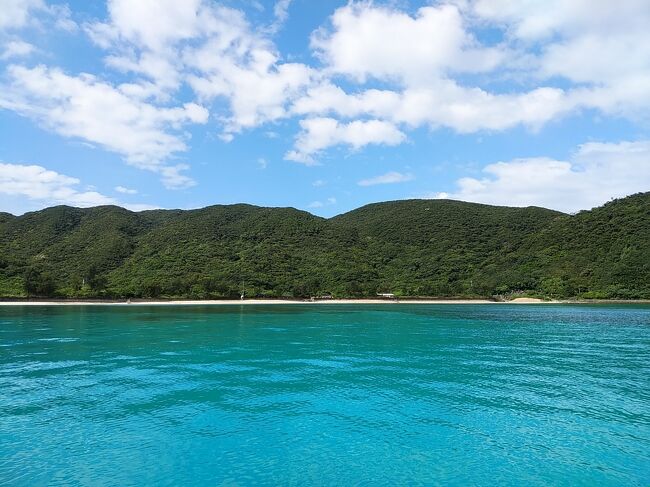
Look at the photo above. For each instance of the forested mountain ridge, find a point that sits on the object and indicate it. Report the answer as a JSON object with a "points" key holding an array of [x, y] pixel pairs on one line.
{"points": [[409, 247]]}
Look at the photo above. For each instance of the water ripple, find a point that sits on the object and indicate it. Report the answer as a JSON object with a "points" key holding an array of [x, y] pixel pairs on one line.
{"points": [[331, 395]]}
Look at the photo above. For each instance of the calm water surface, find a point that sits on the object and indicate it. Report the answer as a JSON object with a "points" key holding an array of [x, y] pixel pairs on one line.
{"points": [[325, 395]]}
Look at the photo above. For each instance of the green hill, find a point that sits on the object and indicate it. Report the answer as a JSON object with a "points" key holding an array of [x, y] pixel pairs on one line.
{"points": [[602, 253], [409, 247]]}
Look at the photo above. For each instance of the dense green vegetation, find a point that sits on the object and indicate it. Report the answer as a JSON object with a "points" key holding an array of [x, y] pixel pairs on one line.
{"points": [[411, 248]]}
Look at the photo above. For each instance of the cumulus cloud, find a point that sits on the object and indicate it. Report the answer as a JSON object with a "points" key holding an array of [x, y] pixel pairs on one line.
{"points": [[416, 58], [391, 177], [368, 41], [17, 14], [152, 49], [596, 173], [257, 89], [124, 190], [174, 21], [97, 112], [16, 49], [211, 47], [380, 71], [320, 133], [603, 47], [534, 21], [38, 183], [601, 50], [245, 70], [320, 204], [442, 104], [29, 184]]}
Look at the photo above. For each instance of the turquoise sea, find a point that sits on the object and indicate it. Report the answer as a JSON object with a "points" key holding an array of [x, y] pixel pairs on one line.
{"points": [[325, 395]]}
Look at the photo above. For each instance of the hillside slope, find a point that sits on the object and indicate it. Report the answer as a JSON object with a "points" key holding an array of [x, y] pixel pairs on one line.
{"points": [[602, 253], [409, 247], [440, 247]]}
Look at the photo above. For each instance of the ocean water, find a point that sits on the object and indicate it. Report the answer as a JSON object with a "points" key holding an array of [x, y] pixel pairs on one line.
{"points": [[325, 395]]}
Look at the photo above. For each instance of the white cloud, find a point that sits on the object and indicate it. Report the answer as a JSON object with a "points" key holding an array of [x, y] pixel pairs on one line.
{"points": [[534, 21], [257, 91], [175, 21], [24, 187], [248, 74], [596, 173], [210, 47], [319, 183], [418, 55], [320, 133], [62, 16], [388, 178], [280, 14], [226, 137], [15, 14], [99, 113], [50, 187], [262, 163], [153, 49], [400, 69], [602, 50], [603, 47], [367, 41], [413, 59], [281, 10], [14, 49], [442, 104], [320, 204], [123, 190]]}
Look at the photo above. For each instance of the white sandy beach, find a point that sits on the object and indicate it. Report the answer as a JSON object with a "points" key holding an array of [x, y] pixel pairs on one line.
{"points": [[270, 301]]}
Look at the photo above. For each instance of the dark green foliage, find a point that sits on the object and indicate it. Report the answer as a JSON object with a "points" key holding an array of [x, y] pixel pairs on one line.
{"points": [[410, 248], [39, 283]]}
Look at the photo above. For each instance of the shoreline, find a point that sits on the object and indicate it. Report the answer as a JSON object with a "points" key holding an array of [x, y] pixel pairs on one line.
{"points": [[235, 302], [248, 302]]}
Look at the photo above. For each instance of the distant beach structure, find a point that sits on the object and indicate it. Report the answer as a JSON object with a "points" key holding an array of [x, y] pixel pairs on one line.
{"points": [[386, 295]]}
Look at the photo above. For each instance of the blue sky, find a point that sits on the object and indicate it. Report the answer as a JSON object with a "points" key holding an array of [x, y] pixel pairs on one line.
{"points": [[323, 106]]}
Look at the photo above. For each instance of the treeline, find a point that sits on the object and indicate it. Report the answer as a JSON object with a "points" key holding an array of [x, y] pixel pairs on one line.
{"points": [[411, 248]]}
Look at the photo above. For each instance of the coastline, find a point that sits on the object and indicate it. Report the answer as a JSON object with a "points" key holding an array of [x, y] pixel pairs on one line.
{"points": [[247, 302]]}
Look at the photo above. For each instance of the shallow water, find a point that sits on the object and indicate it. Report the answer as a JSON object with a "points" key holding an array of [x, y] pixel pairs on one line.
{"points": [[325, 395]]}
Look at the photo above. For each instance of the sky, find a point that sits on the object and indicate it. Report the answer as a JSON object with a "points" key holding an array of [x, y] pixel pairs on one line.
{"points": [[322, 105]]}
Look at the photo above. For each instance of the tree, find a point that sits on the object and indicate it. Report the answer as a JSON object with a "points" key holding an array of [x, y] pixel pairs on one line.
{"points": [[95, 280], [39, 283]]}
